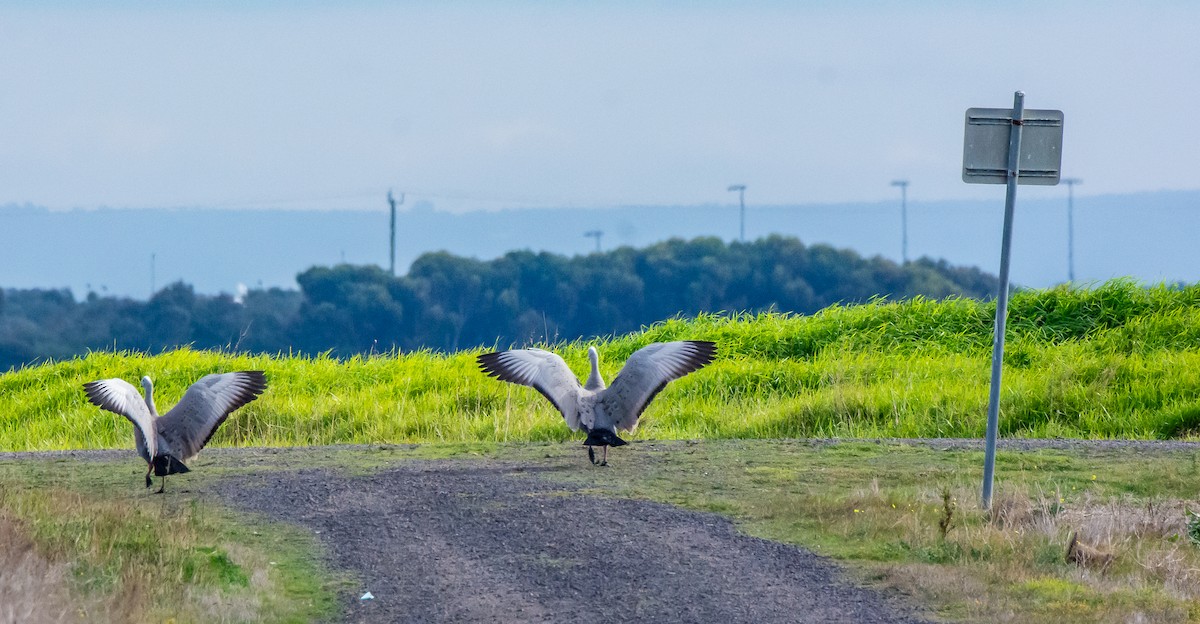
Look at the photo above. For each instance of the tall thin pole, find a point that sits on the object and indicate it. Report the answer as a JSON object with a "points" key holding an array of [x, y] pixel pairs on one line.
{"points": [[903, 184], [392, 249], [1010, 200], [595, 234], [741, 189], [1071, 182]]}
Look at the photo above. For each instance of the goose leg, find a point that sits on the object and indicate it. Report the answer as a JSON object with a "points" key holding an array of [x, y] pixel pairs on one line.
{"points": [[163, 486], [604, 462], [591, 457], [149, 481]]}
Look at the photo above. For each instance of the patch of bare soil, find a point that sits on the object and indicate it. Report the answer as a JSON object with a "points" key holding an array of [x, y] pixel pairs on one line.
{"points": [[483, 542]]}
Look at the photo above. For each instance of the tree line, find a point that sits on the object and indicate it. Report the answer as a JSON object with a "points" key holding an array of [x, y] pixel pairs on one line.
{"points": [[447, 302]]}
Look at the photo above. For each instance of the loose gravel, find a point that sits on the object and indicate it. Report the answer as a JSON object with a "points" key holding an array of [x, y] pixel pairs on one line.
{"points": [[484, 542]]}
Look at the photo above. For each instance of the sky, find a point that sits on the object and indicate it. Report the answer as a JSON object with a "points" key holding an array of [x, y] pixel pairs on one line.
{"points": [[469, 105]]}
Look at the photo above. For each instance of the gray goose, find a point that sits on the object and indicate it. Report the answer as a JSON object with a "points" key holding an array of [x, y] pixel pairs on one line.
{"points": [[598, 410], [166, 443]]}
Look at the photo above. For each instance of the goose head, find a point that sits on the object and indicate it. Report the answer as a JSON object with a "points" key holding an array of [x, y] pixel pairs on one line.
{"points": [[594, 380], [148, 386]]}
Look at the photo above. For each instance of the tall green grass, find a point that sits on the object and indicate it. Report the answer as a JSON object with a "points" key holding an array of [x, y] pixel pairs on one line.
{"points": [[1117, 360]]}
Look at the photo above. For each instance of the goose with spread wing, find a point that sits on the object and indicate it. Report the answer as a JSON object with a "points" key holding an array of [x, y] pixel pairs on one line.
{"points": [[600, 411], [167, 442]]}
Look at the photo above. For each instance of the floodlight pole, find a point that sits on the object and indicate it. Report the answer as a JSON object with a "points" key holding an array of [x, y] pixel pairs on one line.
{"points": [[595, 234], [392, 249], [1010, 200], [903, 184], [1071, 182], [741, 190]]}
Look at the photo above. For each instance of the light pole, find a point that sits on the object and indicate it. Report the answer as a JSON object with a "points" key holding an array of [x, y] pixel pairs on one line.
{"points": [[903, 184], [1071, 182], [392, 248], [741, 190], [595, 234]]}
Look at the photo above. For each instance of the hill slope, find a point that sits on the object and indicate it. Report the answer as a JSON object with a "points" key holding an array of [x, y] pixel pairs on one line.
{"points": [[1117, 361]]}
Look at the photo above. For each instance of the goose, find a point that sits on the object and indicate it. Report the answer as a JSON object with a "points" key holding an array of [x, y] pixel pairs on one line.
{"points": [[600, 411], [167, 442]]}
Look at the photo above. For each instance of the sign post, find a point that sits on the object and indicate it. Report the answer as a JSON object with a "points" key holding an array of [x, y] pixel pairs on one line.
{"points": [[1008, 146]]}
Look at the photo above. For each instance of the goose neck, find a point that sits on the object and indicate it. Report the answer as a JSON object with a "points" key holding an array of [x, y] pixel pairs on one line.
{"points": [[149, 387]]}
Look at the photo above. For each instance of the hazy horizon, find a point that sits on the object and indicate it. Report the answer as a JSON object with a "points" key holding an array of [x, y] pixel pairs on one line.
{"points": [[1147, 236]]}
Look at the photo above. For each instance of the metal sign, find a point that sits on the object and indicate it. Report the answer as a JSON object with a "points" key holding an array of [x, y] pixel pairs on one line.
{"points": [[1008, 146], [986, 140]]}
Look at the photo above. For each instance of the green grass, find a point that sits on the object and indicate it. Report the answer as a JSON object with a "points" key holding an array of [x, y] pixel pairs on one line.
{"points": [[132, 557], [1116, 361]]}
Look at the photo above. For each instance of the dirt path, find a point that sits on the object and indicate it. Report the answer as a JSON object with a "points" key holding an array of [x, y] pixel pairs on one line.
{"points": [[486, 542]]}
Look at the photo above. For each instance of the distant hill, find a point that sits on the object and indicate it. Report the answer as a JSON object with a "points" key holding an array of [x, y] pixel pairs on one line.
{"points": [[1148, 236]]}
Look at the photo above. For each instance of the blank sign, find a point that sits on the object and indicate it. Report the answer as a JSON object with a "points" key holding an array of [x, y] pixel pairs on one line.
{"points": [[985, 146]]}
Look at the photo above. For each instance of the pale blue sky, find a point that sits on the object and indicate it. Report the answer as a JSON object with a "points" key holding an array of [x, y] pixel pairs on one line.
{"points": [[472, 104]]}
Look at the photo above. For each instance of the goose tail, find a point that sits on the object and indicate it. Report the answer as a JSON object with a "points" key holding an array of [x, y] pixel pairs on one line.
{"points": [[168, 465], [603, 437]]}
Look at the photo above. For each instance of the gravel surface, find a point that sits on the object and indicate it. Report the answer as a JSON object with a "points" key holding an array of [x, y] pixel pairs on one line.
{"points": [[1014, 444], [484, 542], [488, 541]]}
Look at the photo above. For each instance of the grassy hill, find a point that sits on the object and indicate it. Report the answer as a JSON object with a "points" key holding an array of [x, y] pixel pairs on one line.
{"points": [[1118, 360]]}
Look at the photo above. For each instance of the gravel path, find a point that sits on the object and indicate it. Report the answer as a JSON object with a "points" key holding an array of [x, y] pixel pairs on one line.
{"points": [[482, 542]]}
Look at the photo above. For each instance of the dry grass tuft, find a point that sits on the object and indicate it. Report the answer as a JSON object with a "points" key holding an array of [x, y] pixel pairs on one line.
{"points": [[1087, 556], [1011, 511], [1116, 519], [35, 589], [32, 589]]}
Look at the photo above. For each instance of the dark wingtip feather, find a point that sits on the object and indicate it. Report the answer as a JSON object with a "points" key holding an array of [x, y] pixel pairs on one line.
{"points": [[489, 363], [704, 354], [92, 389]]}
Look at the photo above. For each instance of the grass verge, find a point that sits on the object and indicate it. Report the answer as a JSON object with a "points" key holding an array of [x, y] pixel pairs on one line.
{"points": [[82, 536], [1118, 361]]}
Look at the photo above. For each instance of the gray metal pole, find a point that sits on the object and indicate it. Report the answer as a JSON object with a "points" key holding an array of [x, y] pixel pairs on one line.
{"points": [[742, 221], [1010, 200], [392, 239], [595, 234], [903, 184], [904, 223], [1071, 182], [741, 189]]}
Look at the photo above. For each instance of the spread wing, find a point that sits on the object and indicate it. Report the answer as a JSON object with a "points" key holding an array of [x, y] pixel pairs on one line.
{"points": [[544, 371], [205, 405], [647, 372], [120, 397]]}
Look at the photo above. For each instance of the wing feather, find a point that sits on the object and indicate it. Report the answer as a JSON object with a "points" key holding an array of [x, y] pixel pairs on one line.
{"points": [[120, 397], [646, 373], [541, 370], [206, 404]]}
